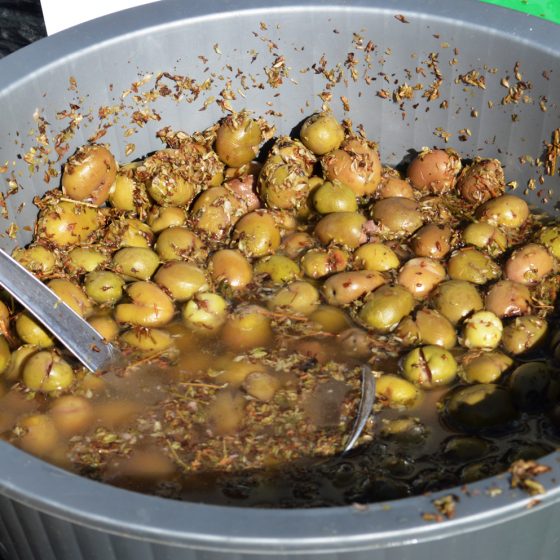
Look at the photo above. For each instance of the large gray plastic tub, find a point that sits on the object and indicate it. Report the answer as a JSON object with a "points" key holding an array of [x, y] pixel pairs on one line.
{"points": [[48, 514]]}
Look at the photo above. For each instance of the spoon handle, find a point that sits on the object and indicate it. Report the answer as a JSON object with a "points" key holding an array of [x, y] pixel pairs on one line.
{"points": [[75, 333]]}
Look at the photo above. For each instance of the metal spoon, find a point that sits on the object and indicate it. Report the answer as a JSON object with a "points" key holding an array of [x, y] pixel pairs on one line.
{"points": [[364, 410], [74, 332]]}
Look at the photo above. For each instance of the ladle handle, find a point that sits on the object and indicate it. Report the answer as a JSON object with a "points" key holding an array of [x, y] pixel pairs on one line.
{"points": [[75, 333]]}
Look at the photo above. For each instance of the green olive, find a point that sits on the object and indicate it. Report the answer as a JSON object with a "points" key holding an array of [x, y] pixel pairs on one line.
{"points": [[231, 268], [429, 366], [138, 263], [334, 197], [128, 232], [29, 330], [163, 217], [205, 313], [487, 237], [292, 152], [89, 174], [72, 295], [106, 326], [484, 367], [481, 181], [397, 217], [434, 171], [237, 139], [5, 354], [66, 224], [508, 299], [480, 406], [345, 287], [127, 193], [104, 287], [181, 280], [473, 266], [147, 340], [178, 243], [17, 360], [342, 228], [277, 268], [432, 240], [330, 319], [524, 334], [427, 326], [375, 256], [261, 385], [85, 259], [420, 276], [322, 133], [385, 307], [248, 327], [530, 385], [508, 211], [549, 236], [37, 259], [150, 306], [405, 430], [169, 188], [257, 234], [296, 298], [296, 243], [455, 299], [318, 263], [529, 264], [47, 372], [395, 392], [356, 164], [482, 329]]}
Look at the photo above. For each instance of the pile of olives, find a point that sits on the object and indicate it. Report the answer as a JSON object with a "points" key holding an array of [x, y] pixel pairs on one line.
{"points": [[214, 236]]}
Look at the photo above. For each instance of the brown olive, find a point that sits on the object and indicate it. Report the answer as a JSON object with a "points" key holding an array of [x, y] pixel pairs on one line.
{"points": [[420, 276], [257, 234], [529, 264], [181, 280], [37, 259], [392, 185], [345, 287], [395, 392], [434, 171], [137, 263], [72, 415], [205, 313], [230, 268], [385, 307], [524, 334], [431, 240], [89, 174], [237, 139], [163, 217], [179, 243], [487, 237], [39, 435], [481, 181], [334, 197], [342, 228], [397, 217], [318, 263], [30, 331], [226, 412], [473, 266], [355, 342], [482, 329], [427, 326], [72, 295], [455, 299], [296, 298], [296, 243], [103, 286], [47, 372], [508, 211], [278, 269], [321, 133], [243, 188], [429, 366], [530, 385], [356, 164], [484, 367], [249, 327], [150, 306], [508, 299], [330, 319]]}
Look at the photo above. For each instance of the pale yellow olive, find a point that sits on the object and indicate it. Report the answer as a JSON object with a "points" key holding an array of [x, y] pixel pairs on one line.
{"points": [[395, 392], [277, 268], [455, 299], [473, 266], [72, 295], [550, 237], [524, 334], [37, 259], [72, 414], [128, 194], [432, 240], [17, 360], [317, 263], [248, 327], [434, 171], [85, 259], [147, 340], [257, 234], [181, 280], [230, 268], [205, 313], [261, 385], [375, 256], [89, 174], [106, 326], [103, 286], [47, 372], [298, 297], [237, 139], [163, 217], [385, 307], [427, 326], [396, 217], [345, 287], [484, 367], [487, 237], [169, 188], [508, 211], [30, 331], [5, 354], [321, 133], [178, 243], [429, 366], [39, 435], [529, 264], [136, 263], [334, 197], [150, 306], [420, 276], [128, 232], [508, 299], [392, 185], [482, 329], [296, 243], [342, 228], [330, 319]]}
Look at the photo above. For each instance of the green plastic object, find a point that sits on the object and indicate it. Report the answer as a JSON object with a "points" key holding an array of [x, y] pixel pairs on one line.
{"points": [[547, 9]]}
